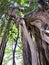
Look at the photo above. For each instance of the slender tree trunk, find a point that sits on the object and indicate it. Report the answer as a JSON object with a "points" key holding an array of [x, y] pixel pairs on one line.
{"points": [[3, 42], [2, 27]]}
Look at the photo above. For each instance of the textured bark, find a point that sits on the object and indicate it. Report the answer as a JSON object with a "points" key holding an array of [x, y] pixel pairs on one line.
{"points": [[40, 22], [31, 44], [41, 26], [36, 19], [39, 46], [26, 51], [41, 50]]}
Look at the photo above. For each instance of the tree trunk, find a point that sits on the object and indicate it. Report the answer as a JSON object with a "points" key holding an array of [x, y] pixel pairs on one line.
{"points": [[3, 42], [41, 51], [26, 51], [31, 44]]}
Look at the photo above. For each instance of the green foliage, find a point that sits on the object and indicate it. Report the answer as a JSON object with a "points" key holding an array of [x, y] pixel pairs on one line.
{"points": [[24, 3], [13, 30]]}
